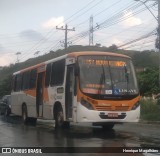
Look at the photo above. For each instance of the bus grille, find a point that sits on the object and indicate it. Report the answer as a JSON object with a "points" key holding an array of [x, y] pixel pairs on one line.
{"points": [[103, 108], [122, 108], [110, 108]]}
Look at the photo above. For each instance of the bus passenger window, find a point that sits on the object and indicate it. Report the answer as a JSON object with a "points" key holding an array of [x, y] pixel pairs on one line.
{"points": [[48, 75], [13, 82], [57, 76], [26, 77], [18, 83], [33, 79]]}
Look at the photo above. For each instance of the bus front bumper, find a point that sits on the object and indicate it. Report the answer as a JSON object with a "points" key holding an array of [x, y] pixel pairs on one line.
{"points": [[85, 115]]}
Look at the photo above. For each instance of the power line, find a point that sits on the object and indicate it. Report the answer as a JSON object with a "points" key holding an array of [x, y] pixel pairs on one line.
{"points": [[86, 10], [138, 39], [85, 33], [38, 44], [110, 22]]}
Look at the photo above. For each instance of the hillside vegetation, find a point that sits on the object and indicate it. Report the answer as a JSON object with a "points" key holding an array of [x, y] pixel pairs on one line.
{"points": [[145, 62]]}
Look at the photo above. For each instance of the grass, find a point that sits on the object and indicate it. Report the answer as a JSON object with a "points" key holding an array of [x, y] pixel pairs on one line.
{"points": [[150, 110]]}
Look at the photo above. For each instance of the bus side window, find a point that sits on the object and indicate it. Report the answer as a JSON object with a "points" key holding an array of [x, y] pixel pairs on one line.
{"points": [[18, 82], [33, 78], [57, 76], [13, 83], [48, 75], [26, 78]]}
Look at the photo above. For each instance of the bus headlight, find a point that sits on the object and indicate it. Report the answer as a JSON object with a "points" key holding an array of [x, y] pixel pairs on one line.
{"points": [[86, 104], [135, 106]]}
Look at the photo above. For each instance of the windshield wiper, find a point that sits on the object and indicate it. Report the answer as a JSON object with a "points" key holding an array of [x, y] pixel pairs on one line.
{"points": [[126, 77], [102, 81]]}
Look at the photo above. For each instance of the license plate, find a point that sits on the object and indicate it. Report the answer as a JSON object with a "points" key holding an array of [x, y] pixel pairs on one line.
{"points": [[113, 115]]}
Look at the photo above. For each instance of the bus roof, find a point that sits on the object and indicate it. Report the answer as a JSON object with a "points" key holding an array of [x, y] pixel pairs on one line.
{"points": [[29, 68], [76, 54], [73, 54]]}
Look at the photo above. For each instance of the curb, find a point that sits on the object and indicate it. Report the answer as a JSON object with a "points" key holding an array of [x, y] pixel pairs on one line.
{"points": [[149, 122]]}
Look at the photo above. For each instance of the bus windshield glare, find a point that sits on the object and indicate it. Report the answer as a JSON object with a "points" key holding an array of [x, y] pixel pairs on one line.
{"points": [[107, 75]]}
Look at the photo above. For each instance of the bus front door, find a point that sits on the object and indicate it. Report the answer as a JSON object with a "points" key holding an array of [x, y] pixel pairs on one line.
{"points": [[69, 93], [39, 95]]}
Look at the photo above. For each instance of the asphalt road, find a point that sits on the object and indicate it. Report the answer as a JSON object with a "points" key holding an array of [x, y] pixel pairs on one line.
{"points": [[14, 134]]}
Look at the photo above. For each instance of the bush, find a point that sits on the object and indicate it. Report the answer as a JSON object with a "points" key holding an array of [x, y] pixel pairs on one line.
{"points": [[150, 110]]}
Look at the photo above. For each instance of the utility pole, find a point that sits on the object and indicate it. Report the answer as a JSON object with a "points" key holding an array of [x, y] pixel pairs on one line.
{"points": [[158, 31], [66, 33], [91, 31], [157, 44]]}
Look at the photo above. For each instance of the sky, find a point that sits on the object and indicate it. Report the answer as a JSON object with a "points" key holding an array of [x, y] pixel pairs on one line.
{"points": [[28, 27]]}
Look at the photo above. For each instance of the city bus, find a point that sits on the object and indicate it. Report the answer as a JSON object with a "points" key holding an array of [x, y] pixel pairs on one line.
{"points": [[80, 87]]}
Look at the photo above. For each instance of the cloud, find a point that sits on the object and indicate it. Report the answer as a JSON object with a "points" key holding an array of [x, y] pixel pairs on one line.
{"points": [[132, 20], [6, 59], [116, 41], [51, 23], [31, 35], [1, 47]]}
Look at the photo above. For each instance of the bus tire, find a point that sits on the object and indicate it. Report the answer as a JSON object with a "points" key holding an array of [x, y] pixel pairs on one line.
{"points": [[59, 120], [24, 114], [66, 124], [108, 126], [32, 121]]}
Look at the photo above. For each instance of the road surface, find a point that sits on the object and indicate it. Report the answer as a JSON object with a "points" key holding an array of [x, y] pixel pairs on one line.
{"points": [[14, 134]]}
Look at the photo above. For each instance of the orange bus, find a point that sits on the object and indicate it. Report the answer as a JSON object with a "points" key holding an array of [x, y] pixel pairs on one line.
{"points": [[94, 87]]}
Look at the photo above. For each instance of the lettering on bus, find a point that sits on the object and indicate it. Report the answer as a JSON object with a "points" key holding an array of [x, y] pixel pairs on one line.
{"points": [[104, 63], [94, 86]]}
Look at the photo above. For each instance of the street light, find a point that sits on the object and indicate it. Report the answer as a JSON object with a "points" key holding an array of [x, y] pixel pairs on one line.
{"points": [[18, 53]]}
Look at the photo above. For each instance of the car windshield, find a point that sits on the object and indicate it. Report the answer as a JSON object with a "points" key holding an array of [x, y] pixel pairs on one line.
{"points": [[107, 75]]}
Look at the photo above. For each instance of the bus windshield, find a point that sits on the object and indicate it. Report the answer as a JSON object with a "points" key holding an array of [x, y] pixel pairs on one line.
{"points": [[110, 76]]}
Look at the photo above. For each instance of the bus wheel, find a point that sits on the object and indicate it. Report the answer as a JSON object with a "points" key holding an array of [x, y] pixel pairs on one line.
{"points": [[24, 114], [59, 118], [66, 124], [32, 121], [108, 126]]}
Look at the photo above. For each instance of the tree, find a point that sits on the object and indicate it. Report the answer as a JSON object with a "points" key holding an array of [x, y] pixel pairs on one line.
{"points": [[113, 48], [148, 81], [5, 86]]}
